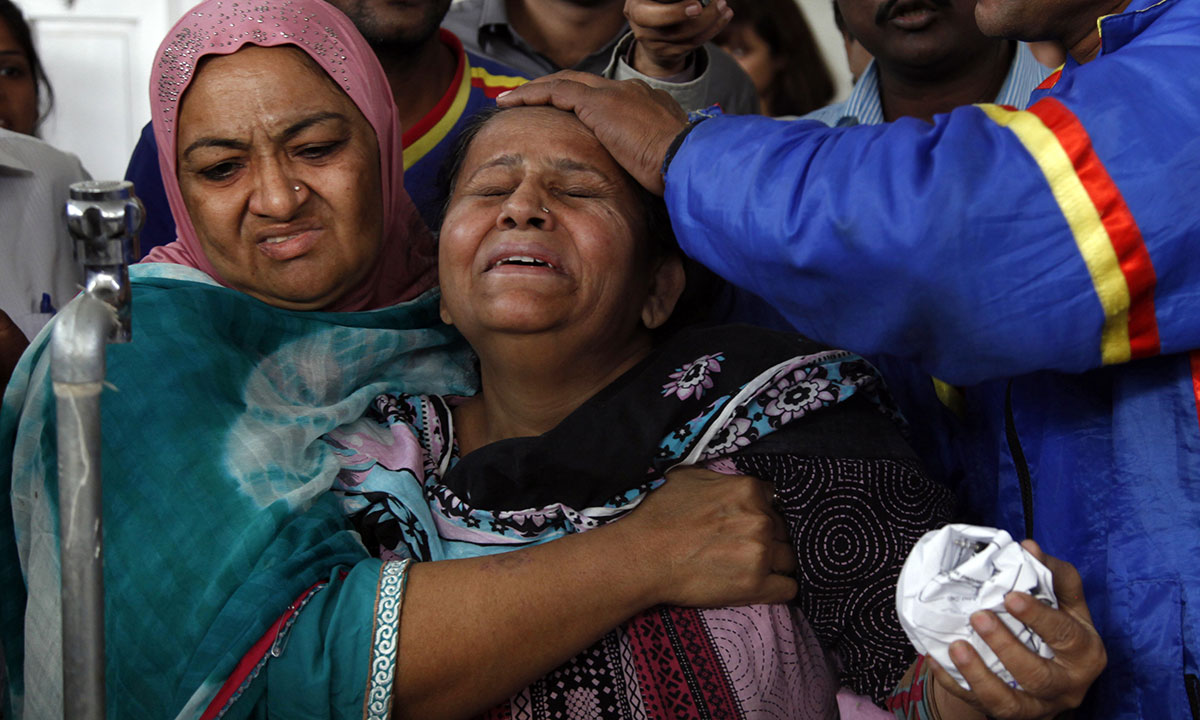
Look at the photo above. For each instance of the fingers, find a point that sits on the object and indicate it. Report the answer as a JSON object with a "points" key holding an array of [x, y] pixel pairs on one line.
{"points": [[1035, 673], [1079, 654], [783, 559], [564, 90], [778, 589], [651, 14], [988, 692], [1068, 585], [1046, 685], [667, 33]]}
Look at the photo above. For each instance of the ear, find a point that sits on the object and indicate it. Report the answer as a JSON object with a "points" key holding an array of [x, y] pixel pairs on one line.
{"points": [[444, 311], [666, 285]]}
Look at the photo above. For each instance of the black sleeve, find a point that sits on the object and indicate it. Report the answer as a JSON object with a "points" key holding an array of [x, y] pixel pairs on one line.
{"points": [[853, 521]]}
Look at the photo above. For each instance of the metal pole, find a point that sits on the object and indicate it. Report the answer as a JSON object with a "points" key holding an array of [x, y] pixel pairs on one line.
{"points": [[104, 219]]}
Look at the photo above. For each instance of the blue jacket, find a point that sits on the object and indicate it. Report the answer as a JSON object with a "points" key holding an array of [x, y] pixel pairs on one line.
{"points": [[1045, 261]]}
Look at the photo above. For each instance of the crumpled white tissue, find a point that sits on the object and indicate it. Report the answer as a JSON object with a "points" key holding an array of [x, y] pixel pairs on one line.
{"points": [[960, 569]]}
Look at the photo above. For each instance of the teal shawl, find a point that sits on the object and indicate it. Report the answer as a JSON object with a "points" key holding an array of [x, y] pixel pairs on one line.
{"points": [[216, 510]]}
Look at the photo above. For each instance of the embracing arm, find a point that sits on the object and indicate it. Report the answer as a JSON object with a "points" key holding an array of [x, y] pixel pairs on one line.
{"points": [[992, 243], [475, 631]]}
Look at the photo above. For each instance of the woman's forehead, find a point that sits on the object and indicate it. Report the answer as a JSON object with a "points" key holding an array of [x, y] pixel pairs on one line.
{"points": [[285, 66], [261, 85], [541, 134]]}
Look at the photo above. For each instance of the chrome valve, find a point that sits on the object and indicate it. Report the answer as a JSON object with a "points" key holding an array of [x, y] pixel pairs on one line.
{"points": [[104, 218]]}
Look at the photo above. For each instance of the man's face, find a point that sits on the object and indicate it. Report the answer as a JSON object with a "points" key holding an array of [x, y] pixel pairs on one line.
{"points": [[1062, 20], [913, 35], [395, 24]]}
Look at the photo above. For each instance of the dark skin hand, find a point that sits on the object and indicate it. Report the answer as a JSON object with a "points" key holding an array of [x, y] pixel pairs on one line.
{"points": [[12, 344], [668, 33], [1049, 686], [633, 121]]}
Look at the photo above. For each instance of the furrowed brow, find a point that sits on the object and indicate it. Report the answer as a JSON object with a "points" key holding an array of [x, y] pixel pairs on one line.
{"points": [[211, 142], [315, 119], [506, 161], [567, 165], [288, 133]]}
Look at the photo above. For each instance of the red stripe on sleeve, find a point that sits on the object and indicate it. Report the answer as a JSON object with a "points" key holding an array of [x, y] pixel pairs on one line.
{"points": [[1132, 255], [1194, 356], [1050, 81]]}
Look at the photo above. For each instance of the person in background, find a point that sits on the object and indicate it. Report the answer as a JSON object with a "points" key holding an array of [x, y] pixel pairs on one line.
{"points": [[39, 273], [666, 45], [929, 58], [772, 42], [436, 84], [26, 96], [1049, 253], [299, 289]]}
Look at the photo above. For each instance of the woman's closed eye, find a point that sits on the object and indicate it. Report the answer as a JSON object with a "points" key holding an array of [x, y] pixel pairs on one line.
{"points": [[221, 171], [579, 192], [317, 151], [492, 191]]}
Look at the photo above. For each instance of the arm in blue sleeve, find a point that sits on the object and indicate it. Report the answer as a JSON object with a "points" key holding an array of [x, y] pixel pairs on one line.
{"points": [[956, 245], [889, 239]]}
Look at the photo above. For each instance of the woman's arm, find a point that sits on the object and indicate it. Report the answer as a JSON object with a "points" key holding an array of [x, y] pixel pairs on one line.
{"points": [[475, 631]]}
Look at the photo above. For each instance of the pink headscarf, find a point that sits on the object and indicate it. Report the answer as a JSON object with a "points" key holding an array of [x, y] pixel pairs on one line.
{"points": [[407, 265]]}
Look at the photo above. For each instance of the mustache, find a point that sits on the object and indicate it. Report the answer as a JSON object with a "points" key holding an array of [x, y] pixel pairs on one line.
{"points": [[885, 10]]}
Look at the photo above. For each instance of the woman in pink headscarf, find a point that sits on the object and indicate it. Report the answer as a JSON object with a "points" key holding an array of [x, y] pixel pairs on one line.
{"points": [[293, 297], [385, 252]]}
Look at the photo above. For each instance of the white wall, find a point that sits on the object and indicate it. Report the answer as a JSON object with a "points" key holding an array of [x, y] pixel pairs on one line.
{"points": [[819, 14], [98, 55]]}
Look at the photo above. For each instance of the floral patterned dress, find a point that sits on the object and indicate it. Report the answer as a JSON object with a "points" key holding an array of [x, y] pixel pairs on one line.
{"points": [[814, 421]]}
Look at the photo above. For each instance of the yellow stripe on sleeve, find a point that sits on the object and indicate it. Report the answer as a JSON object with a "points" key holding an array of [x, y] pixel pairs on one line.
{"points": [[1091, 237]]}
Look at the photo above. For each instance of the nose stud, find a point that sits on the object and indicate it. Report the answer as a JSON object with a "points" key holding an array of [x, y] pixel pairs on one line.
{"points": [[296, 188], [546, 210]]}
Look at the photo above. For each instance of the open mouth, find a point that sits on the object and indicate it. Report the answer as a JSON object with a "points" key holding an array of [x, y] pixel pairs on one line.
{"points": [[279, 239], [521, 261]]}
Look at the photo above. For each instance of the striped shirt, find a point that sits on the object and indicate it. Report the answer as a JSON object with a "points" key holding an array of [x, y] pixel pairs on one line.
{"points": [[865, 106]]}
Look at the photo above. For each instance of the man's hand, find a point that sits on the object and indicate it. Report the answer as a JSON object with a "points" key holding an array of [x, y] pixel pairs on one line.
{"points": [[12, 344], [667, 33], [1048, 686], [633, 121]]}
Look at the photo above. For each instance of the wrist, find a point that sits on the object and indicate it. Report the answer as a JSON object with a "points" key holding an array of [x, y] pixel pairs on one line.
{"points": [[619, 550], [695, 117]]}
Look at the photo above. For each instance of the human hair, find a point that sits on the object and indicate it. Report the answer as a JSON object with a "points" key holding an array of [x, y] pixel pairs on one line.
{"points": [[702, 289], [803, 82], [12, 17]]}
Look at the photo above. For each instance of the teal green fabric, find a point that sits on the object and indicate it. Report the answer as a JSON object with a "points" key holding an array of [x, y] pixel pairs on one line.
{"points": [[216, 505]]}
